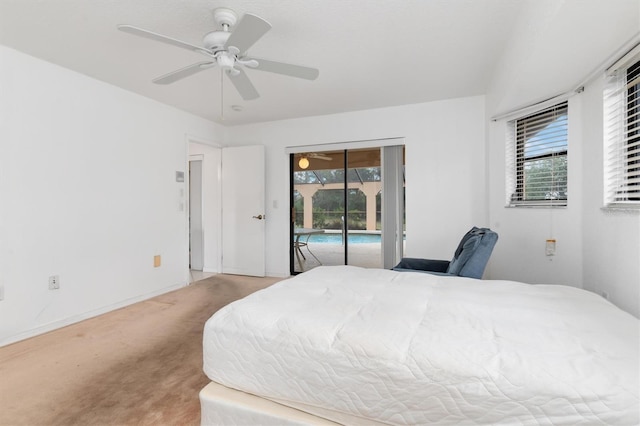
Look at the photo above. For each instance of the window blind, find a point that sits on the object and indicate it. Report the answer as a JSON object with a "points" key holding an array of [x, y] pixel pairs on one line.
{"points": [[622, 134], [538, 158]]}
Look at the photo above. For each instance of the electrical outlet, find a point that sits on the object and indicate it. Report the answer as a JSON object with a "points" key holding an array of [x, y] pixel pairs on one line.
{"points": [[54, 282]]}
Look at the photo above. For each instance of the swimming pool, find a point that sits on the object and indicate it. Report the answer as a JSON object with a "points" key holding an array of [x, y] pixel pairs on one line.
{"points": [[337, 238]]}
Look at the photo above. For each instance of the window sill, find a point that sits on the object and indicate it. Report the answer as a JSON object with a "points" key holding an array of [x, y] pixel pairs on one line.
{"points": [[630, 209], [534, 206]]}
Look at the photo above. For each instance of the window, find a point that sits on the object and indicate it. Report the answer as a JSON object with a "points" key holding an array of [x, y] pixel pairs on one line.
{"points": [[622, 134], [537, 158]]}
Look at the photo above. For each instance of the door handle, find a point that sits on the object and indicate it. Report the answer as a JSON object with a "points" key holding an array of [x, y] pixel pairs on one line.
{"points": [[260, 217]]}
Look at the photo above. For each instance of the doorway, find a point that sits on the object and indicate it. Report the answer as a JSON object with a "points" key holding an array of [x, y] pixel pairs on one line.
{"points": [[196, 240], [347, 207]]}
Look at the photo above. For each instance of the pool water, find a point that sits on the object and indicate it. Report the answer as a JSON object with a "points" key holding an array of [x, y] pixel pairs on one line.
{"points": [[337, 238]]}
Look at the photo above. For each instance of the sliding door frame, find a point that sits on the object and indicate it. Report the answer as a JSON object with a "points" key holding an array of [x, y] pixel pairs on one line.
{"points": [[345, 147]]}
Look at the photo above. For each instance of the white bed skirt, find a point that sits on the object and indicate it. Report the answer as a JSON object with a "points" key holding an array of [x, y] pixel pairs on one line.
{"points": [[221, 405]]}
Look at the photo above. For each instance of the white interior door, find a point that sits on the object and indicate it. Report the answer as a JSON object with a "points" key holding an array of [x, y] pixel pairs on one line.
{"points": [[243, 211]]}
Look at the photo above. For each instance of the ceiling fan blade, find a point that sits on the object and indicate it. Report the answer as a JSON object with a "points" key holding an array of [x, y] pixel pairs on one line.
{"points": [[162, 38], [286, 69], [243, 85], [183, 72], [247, 32]]}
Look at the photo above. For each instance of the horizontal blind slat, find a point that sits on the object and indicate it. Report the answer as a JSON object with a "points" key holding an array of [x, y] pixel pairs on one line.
{"points": [[541, 150], [622, 135]]}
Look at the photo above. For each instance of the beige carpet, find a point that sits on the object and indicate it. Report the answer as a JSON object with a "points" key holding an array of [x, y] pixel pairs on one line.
{"points": [[140, 365]]}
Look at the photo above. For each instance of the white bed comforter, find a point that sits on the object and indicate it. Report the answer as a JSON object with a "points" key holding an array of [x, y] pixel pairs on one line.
{"points": [[413, 348]]}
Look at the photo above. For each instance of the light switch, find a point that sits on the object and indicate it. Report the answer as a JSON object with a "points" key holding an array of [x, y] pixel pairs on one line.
{"points": [[550, 249]]}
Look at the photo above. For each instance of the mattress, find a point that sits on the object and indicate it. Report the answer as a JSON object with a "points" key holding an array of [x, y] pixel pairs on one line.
{"points": [[412, 348]]}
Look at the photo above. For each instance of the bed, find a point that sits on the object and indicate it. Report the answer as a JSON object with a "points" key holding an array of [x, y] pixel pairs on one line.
{"points": [[347, 345]]}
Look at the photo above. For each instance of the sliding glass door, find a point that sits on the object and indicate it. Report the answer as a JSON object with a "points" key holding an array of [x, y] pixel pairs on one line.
{"points": [[339, 208]]}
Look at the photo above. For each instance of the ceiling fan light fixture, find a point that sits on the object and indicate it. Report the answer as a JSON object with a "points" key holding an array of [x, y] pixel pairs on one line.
{"points": [[226, 61], [303, 162]]}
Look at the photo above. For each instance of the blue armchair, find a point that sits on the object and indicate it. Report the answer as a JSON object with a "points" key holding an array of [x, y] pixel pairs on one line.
{"points": [[469, 260]]}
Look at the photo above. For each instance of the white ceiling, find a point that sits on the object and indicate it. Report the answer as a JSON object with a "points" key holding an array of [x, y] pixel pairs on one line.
{"points": [[370, 53]]}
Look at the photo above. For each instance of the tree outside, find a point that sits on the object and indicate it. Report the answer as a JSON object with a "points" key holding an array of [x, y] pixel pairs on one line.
{"points": [[328, 204], [546, 179]]}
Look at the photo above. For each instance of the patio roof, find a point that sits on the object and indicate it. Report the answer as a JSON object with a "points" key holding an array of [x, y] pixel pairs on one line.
{"points": [[361, 158]]}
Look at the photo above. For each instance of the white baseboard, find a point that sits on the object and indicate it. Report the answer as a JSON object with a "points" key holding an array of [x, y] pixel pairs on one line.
{"points": [[86, 315], [278, 274]]}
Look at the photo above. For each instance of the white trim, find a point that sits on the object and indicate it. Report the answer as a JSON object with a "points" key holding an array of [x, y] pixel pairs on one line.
{"points": [[196, 139], [87, 315], [622, 51], [185, 187], [539, 106], [273, 274], [621, 208], [630, 56], [335, 146], [191, 139]]}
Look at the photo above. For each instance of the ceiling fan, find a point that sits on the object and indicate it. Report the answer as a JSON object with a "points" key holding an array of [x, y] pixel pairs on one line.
{"points": [[227, 49], [303, 161]]}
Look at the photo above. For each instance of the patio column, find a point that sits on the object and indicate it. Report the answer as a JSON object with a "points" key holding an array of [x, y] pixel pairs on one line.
{"points": [[307, 192], [370, 190]]}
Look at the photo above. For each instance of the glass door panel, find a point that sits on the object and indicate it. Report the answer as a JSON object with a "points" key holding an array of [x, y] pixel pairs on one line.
{"points": [[363, 188], [337, 205], [318, 229]]}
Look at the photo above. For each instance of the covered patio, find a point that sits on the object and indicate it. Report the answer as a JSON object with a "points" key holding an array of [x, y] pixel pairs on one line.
{"points": [[331, 195]]}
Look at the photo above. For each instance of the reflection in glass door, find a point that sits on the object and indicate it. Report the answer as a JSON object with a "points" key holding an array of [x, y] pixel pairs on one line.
{"points": [[364, 183], [318, 210], [337, 208]]}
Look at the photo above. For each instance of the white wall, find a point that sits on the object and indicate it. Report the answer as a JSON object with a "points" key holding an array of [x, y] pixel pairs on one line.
{"points": [[611, 239], [596, 250], [520, 255], [211, 203], [87, 192], [445, 169]]}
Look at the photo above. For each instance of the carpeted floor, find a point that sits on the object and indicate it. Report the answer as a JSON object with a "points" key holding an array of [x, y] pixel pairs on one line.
{"points": [[140, 365]]}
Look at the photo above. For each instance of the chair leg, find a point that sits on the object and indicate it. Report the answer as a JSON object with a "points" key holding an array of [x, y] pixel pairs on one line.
{"points": [[298, 253], [314, 256]]}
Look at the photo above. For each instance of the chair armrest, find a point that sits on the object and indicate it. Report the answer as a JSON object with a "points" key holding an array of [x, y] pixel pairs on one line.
{"points": [[423, 264]]}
